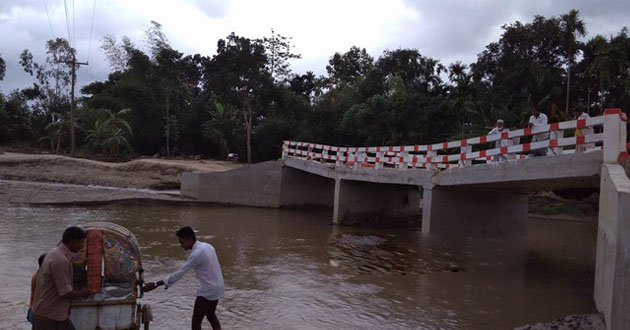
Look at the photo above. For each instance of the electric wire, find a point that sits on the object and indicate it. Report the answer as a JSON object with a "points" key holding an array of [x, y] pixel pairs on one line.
{"points": [[87, 71], [91, 31], [74, 28], [49, 23], [65, 6]]}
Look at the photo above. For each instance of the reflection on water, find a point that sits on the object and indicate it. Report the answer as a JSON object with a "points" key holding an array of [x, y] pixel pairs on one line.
{"points": [[293, 270]]}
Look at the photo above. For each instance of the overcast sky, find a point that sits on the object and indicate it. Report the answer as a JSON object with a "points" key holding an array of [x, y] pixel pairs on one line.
{"points": [[447, 30]]}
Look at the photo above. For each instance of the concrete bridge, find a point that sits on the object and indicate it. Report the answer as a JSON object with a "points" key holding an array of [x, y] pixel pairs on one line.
{"points": [[475, 186]]}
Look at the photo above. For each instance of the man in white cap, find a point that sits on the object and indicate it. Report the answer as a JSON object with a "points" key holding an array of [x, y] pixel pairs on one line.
{"points": [[499, 128]]}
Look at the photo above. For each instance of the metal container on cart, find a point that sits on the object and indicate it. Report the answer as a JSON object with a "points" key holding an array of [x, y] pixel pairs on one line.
{"points": [[110, 267]]}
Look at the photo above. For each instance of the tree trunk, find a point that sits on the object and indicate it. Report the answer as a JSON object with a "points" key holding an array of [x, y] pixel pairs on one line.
{"points": [[248, 129], [588, 97], [168, 126], [568, 86]]}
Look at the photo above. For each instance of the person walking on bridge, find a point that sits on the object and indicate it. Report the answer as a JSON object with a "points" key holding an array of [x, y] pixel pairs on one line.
{"points": [[538, 119], [203, 259]]}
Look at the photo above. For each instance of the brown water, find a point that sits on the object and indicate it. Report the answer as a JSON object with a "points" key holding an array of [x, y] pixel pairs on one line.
{"points": [[293, 270]]}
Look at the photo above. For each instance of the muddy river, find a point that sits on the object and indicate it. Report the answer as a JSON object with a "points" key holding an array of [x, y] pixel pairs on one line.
{"points": [[289, 269]]}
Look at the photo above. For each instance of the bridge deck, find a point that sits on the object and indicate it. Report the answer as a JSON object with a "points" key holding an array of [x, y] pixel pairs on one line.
{"points": [[553, 172]]}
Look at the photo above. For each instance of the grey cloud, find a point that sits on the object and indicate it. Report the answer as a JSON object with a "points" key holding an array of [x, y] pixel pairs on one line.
{"points": [[452, 30], [212, 8]]}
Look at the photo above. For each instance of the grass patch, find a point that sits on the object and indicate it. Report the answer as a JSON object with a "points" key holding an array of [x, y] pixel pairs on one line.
{"points": [[553, 205]]}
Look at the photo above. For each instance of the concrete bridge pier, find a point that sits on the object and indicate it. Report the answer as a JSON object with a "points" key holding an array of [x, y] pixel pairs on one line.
{"points": [[473, 212], [359, 202], [612, 268]]}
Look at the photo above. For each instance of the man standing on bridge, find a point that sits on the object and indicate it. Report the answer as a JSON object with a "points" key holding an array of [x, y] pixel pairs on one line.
{"points": [[203, 259], [579, 114], [499, 128], [538, 119]]}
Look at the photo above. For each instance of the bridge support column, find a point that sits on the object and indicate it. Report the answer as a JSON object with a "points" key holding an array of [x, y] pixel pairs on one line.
{"points": [[473, 212], [612, 266], [358, 202]]}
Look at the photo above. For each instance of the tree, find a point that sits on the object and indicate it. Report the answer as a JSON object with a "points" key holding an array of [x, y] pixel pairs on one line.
{"points": [[57, 130], [3, 68], [110, 135], [345, 68], [50, 93], [238, 75], [117, 54], [278, 50], [571, 27]]}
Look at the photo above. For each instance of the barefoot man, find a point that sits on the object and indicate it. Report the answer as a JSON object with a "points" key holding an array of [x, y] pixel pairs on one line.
{"points": [[203, 259]]}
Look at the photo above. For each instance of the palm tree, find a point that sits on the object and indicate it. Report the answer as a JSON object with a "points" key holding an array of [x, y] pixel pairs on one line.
{"points": [[57, 129], [571, 27], [609, 60], [212, 128]]}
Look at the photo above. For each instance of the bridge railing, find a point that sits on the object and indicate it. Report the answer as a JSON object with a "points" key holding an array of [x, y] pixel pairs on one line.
{"points": [[482, 149]]}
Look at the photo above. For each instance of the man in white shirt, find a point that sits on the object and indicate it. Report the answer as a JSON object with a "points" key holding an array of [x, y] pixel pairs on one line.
{"points": [[203, 259], [578, 114], [498, 129], [538, 119]]}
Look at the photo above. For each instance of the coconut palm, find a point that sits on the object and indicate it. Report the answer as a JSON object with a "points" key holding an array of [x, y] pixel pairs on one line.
{"points": [[571, 27]]}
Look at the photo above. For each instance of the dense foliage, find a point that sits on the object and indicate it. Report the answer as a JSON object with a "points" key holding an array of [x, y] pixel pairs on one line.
{"points": [[245, 99]]}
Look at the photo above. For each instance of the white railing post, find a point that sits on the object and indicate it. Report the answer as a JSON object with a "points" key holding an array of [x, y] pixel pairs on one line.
{"points": [[556, 135], [431, 156], [378, 164], [402, 165], [339, 156], [465, 150], [285, 149], [614, 135], [324, 157]]}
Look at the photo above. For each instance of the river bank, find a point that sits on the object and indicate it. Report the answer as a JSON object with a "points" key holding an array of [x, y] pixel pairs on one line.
{"points": [[138, 173]]}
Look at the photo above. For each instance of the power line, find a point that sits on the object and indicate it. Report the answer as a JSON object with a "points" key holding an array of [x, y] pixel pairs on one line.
{"points": [[49, 23], [91, 31], [65, 6], [74, 28]]}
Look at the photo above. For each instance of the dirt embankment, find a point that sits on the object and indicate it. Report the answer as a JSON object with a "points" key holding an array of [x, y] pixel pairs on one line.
{"points": [[139, 173]]}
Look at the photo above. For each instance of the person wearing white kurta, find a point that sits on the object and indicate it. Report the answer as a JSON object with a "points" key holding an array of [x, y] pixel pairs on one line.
{"points": [[535, 120], [203, 259], [499, 129], [579, 114]]}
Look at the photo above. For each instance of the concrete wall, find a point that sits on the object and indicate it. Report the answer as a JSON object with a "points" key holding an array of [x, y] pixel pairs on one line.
{"points": [[474, 212], [301, 188], [251, 185], [189, 184], [268, 184], [612, 269], [356, 201]]}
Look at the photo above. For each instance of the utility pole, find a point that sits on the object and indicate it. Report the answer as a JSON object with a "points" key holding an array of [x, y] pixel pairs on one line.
{"points": [[73, 64]]}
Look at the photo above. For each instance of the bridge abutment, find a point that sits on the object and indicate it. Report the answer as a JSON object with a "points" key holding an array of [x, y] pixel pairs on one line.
{"points": [[357, 202], [612, 268], [474, 212]]}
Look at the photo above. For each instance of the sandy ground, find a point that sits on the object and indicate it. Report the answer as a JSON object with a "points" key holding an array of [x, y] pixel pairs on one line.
{"points": [[21, 192], [139, 173]]}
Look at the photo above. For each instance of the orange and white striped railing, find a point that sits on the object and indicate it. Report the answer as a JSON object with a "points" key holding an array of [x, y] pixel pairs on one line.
{"points": [[469, 151]]}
